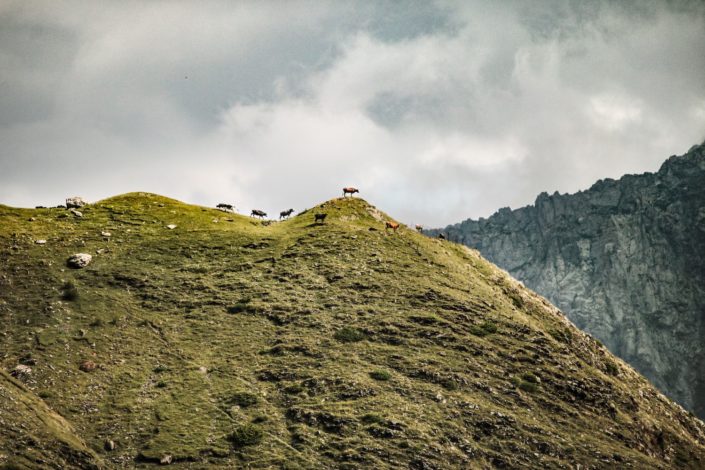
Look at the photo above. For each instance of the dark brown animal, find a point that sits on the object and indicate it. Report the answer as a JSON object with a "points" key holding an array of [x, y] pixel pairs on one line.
{"points": [[350, 191], [320, 217], [225, 207], [285, 214], [393, 225], [258, 213], [441, 236], [419, 228]]}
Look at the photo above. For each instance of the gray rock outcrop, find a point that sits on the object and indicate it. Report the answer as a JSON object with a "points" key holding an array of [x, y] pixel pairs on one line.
{"points": [[75, 202], [625, 260], [79, 260]]}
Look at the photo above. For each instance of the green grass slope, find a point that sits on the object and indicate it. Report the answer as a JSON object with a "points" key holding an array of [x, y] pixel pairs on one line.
{"points": [[34, 436], [227, 343]]}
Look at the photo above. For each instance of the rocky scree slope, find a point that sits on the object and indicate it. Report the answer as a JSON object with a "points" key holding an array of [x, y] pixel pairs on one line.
{"points": [[226, 342], [625, 260]]}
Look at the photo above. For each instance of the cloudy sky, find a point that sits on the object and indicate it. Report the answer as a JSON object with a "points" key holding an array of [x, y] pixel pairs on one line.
{"points": [[436, 111]]}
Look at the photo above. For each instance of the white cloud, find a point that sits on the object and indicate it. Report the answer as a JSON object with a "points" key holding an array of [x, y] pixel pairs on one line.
{"points": [[279, 104], [613, 113]]}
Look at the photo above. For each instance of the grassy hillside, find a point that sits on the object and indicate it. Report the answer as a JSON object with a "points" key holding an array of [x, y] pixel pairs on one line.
{"points": [[227, 342], [34, 436]]}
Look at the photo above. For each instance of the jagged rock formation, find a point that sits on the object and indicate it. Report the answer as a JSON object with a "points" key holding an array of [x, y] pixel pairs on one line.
{"points": [[625, 260]]}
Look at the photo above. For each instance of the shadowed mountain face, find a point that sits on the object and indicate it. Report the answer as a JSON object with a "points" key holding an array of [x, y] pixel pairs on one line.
{"points": [[206, 339], [625, 260]]}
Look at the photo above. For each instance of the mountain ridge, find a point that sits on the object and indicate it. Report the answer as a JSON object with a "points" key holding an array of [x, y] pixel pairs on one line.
{"points": [[624, 259]]}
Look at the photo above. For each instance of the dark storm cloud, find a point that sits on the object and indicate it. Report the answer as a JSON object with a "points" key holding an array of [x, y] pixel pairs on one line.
{"points": [[437, 111]]}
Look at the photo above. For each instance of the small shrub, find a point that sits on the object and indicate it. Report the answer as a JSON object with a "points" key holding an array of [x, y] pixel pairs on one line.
{"points": [[450, 384], [160, 368], [371, 418], [477, 331], [489, 327], [293, 389], [69, 291], [529, 377], [563, 335], [242, 306], [243, 399], [528, 386], [424, 319], [246, 435], [380, 375], [161, 384], [349, 335], [611, 368], [517, 300], [483, 329]]}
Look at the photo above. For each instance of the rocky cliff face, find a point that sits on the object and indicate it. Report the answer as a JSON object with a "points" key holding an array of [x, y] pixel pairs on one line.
{"points": [[625, 260]]}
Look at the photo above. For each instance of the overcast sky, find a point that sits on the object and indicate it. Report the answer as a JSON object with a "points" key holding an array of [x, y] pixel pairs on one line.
{"points": [[436, 111]]}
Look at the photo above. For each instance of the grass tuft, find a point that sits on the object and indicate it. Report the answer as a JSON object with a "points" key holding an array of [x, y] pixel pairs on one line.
{"points": [[243, 399], [69, 291], [246, 435], [349, 335], [381, 375]]}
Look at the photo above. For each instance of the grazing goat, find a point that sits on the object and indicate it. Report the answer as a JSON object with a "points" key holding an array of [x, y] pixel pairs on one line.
{"points": [[419, 228], [350, 191], [393, 225], [441, 236], [258, 213], [225, 207], [321, 217], [285, 214]]}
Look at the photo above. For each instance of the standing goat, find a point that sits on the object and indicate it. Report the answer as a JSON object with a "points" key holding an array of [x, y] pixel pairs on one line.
{"points": [[350, 191]]}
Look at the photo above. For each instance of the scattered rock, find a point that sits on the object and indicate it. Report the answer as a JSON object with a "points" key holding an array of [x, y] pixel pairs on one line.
{"points": [[79, 260], [109, 445], [28, 360], [171, 226], [76, 213], [88, 366], [166, 460], [106, 234], [75, 202], [40, 242], [31, 219], [202, 370], [21, 370]]}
